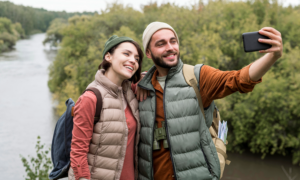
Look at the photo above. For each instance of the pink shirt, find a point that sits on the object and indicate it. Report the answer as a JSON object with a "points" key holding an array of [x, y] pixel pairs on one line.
{"points": [[128, 167], [84, 112]]}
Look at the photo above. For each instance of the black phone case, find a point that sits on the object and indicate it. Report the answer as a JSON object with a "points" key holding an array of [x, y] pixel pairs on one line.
{"points": [[251, 43]]}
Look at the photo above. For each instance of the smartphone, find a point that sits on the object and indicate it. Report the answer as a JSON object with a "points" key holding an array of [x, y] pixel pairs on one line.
{"points": [[251, 43]]}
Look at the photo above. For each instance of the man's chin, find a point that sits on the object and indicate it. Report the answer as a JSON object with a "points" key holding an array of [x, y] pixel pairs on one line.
{"points": [[171, 62]]}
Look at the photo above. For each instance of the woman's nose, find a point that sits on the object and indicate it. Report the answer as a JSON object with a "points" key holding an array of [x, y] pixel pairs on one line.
{"points": [[132, 59]]}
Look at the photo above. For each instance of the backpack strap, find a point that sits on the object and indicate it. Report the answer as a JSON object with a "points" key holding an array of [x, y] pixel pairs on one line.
{"points": [[98, 105], [99, 102], [190, 78]]}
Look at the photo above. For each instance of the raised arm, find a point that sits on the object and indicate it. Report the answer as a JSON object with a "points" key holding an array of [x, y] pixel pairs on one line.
{"points": [[216, 84], [263, 64]]}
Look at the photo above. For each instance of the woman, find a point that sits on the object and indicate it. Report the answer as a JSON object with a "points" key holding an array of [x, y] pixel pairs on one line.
{"points": [[108, 149]]}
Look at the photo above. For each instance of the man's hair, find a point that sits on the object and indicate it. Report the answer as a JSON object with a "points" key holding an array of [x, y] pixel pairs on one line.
{"points": [[137, 75]]}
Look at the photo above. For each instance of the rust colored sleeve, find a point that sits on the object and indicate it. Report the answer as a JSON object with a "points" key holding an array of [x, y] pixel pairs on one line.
{"points": [[216, 84], [84, 113], [133, 87]]}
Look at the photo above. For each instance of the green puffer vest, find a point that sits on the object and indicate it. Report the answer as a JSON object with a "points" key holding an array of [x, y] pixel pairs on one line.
{"points": [[193, 153]]}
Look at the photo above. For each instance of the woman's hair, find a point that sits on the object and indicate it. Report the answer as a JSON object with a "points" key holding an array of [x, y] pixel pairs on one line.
{"points": [[137, 75]]}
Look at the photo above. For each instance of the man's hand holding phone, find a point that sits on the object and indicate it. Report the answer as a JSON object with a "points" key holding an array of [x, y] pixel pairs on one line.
{"points": [[275, 40], [266, 40]]}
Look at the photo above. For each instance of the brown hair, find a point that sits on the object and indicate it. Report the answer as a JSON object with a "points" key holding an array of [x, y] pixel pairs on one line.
{"points": [[137, 75]]}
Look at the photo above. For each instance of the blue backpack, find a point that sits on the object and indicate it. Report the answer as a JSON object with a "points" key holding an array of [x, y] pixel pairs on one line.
{"points": [[61, 142]]}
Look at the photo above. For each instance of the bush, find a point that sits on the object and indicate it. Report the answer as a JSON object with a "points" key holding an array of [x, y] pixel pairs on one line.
{"points": [[38, 167]]}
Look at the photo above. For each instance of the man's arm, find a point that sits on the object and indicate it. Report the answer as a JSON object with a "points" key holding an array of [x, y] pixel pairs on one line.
{"points": [[141, 94], [263, 64], [216, 84]]}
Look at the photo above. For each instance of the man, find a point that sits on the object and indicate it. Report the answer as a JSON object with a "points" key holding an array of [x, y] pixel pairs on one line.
{"points": [[187, 151]]}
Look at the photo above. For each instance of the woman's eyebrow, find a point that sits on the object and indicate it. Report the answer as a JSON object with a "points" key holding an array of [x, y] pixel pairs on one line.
{"points": [[128, 51]]}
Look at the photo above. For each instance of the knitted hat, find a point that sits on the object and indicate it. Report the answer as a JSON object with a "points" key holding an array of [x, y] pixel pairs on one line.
{"points": [[113, 41], [152, 28]]}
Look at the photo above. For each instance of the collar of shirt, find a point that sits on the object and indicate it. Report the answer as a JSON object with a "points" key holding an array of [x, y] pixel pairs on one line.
{"points": [[155, 83]]}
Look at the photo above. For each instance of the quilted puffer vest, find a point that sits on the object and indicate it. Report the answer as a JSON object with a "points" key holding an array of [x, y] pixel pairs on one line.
{"points": [[109, 141], [193, 153]]}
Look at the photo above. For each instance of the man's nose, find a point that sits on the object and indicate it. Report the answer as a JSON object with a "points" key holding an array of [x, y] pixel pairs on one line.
{"points": [[169, 46]]}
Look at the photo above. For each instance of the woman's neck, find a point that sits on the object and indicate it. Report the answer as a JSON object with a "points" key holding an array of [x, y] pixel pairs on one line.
{"points": [[114, 78]]}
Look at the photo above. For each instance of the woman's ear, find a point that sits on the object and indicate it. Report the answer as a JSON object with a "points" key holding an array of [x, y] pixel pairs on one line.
{"points": [[108, 57]]}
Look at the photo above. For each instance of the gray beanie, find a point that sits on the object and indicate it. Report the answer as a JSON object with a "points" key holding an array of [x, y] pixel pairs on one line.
{"points": [[152, 28]]}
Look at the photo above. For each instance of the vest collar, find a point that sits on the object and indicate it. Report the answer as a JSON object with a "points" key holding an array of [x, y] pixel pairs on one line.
{"points": [[112, 88], [146, 81]]}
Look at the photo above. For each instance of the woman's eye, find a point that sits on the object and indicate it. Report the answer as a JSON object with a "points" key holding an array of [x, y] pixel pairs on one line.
{"points": [[137, 60]]}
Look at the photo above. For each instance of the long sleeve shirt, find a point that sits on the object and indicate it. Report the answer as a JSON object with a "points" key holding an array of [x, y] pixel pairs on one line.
{"points": [[214, 84], [84, 113]]}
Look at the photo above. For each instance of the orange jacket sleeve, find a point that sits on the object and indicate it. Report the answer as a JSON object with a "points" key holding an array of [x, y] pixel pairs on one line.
{"points": [[216, 84], [84, 113]]}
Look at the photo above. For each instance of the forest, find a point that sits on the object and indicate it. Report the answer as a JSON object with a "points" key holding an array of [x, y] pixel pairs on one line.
{"points": [[9, 33], [265, 121], [18, 21]]}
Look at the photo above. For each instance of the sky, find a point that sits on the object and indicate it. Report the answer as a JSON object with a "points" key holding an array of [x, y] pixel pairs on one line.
{"points": [[97, 5]]}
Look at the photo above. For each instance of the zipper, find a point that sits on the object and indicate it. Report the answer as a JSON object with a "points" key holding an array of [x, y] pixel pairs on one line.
{"points": [[209, 168], [126, 128], [167, 131], [152, 133]]}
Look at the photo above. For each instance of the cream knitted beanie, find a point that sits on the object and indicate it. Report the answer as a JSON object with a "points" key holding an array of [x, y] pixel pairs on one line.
{"points": [[152, 28]]}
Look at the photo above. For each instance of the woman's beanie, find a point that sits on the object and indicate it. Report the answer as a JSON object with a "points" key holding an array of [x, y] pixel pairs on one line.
{"points": [[113, 41], [152, 28]]}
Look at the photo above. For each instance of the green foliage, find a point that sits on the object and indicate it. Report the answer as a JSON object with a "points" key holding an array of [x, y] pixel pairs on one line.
{"points": [[54, 35], [32, 19], [38, 167], [9, 34], [265, 121]]}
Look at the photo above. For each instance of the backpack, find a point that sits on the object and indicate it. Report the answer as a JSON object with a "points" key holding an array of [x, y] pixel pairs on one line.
{"points": [[190, 78], [62, 136]]}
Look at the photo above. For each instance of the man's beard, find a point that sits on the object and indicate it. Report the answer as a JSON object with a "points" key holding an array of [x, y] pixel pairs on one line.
{"points": [[160, 62]]}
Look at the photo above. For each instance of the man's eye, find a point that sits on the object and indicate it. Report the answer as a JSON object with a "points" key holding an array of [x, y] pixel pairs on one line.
{"points": [[126, 54], [173, 42]]}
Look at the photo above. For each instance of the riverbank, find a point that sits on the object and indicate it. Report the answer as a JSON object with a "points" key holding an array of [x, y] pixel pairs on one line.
{"points": [[25, 105]]}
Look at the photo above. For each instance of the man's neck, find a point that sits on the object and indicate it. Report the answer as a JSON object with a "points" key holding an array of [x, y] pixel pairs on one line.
{"points": [[162, 71]]}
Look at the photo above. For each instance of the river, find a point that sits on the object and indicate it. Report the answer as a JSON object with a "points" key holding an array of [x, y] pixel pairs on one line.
{"points": [[27, 111], [26, 108]]}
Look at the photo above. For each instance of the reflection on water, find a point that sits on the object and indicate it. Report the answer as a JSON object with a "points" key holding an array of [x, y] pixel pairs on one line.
{"points": [[26, 111]]}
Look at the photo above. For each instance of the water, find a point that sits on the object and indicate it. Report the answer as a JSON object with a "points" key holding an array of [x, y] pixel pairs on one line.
{"points": [[27, 111], [249, 166]]}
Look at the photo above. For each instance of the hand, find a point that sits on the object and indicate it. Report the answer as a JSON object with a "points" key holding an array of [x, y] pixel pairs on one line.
{"points": [[141, 94], [275, 40]]}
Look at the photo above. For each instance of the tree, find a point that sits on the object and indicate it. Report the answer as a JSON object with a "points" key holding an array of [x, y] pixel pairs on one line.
{"points": [[265, 121]]}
